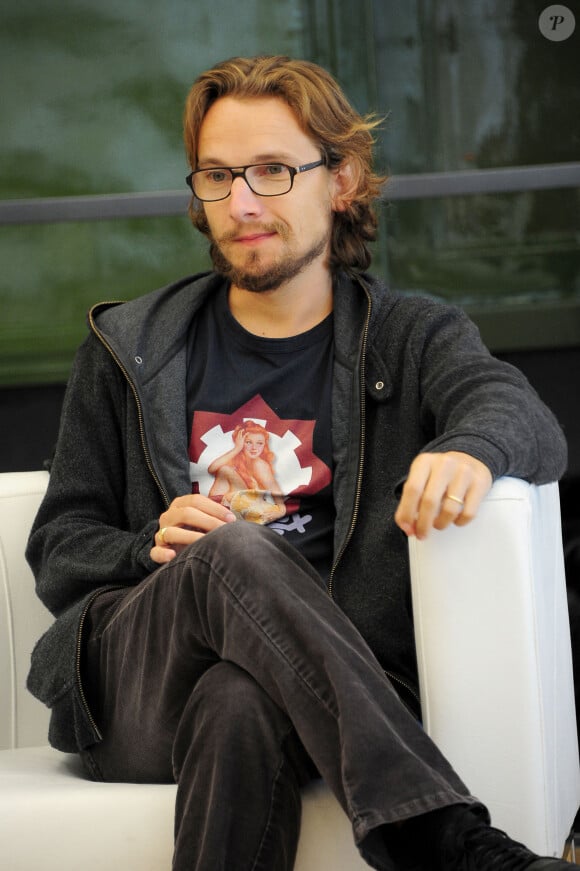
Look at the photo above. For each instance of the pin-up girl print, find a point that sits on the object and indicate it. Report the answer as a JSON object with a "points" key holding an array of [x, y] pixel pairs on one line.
{"points": [[244, 477]]}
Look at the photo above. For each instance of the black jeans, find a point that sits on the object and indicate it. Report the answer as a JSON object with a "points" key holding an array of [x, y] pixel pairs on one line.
{"points": [[232, 672]]}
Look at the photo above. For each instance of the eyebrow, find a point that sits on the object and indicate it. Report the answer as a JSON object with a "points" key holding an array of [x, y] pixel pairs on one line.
{"points": [[270, 157]]}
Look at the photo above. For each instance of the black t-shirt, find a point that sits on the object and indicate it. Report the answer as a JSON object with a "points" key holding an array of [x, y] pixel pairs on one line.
{"points": [[260, 426]]}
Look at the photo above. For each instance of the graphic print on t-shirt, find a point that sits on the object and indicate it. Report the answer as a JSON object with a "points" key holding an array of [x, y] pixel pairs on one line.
{"points": [[257, 464]]}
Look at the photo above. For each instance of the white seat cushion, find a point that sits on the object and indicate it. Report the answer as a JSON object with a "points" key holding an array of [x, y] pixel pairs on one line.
{"points": [[51, 818]]}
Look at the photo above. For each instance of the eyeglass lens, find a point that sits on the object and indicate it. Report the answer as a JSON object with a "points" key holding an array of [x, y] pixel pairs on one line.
{"points": [[268, 179]]}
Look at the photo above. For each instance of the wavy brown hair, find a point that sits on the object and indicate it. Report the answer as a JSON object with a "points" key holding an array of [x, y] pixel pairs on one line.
{"points": [[324, 114]]}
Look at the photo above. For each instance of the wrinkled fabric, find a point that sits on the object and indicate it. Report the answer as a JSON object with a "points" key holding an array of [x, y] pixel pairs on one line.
{"points": [[231, 671]]}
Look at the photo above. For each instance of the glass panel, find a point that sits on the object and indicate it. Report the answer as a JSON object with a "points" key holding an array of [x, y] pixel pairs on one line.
{"points": [[474, 85], [45, 297], [93, 90], [92, 98], [489, 248], [471, 85]]}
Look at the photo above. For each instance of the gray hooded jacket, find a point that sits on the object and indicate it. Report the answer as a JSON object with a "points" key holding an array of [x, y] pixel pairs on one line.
{"points": [[410, 375]]}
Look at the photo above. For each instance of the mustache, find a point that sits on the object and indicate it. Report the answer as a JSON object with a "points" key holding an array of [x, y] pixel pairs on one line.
{"points": [[243, 230]]}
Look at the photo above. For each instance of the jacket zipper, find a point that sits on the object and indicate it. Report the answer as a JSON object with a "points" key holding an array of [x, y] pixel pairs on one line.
{"points": [[407, 686], [163, 495], [390, 675], [78, 667], [78, 660], [362, 373], [129, 380]]}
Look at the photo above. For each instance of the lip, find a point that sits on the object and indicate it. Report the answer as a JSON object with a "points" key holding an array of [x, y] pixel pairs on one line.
{"points": [[253, 238]]}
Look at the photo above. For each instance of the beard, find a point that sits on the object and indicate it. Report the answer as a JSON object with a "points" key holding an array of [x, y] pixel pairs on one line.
{"points": [[252, 275]]}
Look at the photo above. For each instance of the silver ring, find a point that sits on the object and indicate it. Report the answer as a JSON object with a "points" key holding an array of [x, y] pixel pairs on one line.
{"points": [[162, 535], [455, 499]]}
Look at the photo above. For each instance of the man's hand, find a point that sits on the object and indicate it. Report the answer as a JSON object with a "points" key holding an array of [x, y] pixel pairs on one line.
{"points": [[442, 489], [185, 521]]}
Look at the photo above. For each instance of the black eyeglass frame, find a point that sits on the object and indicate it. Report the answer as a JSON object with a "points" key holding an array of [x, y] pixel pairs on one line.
{"points": [[241, 173]]}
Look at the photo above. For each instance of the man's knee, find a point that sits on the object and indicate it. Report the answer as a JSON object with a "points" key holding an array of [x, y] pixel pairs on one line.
{"points": [[239, 538], [228, 694], [252, 551], [231, 720], [242, 551]]}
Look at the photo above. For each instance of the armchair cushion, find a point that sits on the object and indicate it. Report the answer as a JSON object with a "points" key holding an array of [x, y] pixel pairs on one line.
{"points": [[54, 819]]}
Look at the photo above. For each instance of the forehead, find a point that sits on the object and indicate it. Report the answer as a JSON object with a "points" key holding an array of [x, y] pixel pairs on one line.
{"points": [[237, 130]]}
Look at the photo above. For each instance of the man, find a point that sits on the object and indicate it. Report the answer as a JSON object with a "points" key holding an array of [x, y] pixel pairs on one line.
{"points": [[290, 389]]}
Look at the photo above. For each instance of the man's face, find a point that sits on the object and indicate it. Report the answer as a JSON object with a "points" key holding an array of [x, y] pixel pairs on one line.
{"points": [[263, 242]]}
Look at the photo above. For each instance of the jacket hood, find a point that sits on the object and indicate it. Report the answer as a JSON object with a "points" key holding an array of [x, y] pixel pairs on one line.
{"points": [[145, 333]]}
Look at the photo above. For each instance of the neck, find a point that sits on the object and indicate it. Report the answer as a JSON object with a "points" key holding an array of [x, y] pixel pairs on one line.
{"points": [[291, 309]]}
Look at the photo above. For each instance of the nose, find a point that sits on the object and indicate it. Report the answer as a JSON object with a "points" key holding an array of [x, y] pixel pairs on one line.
{"points": [[243, 202]]}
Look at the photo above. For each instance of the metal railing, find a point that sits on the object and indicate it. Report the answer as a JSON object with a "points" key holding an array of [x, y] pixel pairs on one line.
{"points": [[401, 187]]}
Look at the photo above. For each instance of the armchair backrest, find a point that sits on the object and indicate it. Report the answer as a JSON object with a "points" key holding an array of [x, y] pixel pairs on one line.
{"points": [[23, 720]]}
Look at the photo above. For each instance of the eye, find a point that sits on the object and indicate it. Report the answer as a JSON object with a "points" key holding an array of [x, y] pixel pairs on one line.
{"points": [[272, 170], [216, 176]]}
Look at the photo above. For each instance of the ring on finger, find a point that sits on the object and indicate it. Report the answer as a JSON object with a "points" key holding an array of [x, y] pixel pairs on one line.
{"points": [[162, 532], [455, 499]]}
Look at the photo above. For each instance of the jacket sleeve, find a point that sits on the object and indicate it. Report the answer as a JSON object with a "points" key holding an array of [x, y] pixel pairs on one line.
{"points": [[85, 536], [475, 403]]}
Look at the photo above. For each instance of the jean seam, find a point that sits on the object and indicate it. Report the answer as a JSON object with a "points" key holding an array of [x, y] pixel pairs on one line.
{"points": [[241, 607], [255, 866], [91, 766]]}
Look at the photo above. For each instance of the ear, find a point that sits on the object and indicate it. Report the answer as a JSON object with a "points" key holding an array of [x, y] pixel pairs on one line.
{"points": [[345, 179]]}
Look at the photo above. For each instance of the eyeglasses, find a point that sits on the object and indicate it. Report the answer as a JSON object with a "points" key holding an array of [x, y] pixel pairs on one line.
{"points": [[264, 179]]}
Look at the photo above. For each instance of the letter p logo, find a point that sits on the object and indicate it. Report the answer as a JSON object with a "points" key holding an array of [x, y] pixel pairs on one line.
{"points": [[557, 23]]}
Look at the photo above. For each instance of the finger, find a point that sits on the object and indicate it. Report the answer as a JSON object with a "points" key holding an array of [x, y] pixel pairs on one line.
{"points": [[432, 509], [202, 520], [452, 507], [479, 483], [196, 512], [171, 540], [209, 506], [162, 555], [413, 489], [465, 492], [431, 513], [473, 499], [176, 537], [454, 497]]}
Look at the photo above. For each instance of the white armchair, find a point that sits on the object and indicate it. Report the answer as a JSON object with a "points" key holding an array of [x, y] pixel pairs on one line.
{"points": [[496, 684]]}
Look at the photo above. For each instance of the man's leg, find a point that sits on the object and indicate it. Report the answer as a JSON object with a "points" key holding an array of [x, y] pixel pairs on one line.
{"points": [[243, 595], [239, 766], [235, 756]]}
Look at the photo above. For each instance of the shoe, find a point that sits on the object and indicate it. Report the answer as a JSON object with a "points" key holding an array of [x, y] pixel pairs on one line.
{"points": [[469, 844]]}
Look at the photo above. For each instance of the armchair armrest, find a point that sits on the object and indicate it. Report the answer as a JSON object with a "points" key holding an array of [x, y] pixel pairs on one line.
{"points": [[494, 656]]}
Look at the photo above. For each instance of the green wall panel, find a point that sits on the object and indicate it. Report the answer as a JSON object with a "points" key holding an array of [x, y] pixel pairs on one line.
{"points": [[91, 96]]}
